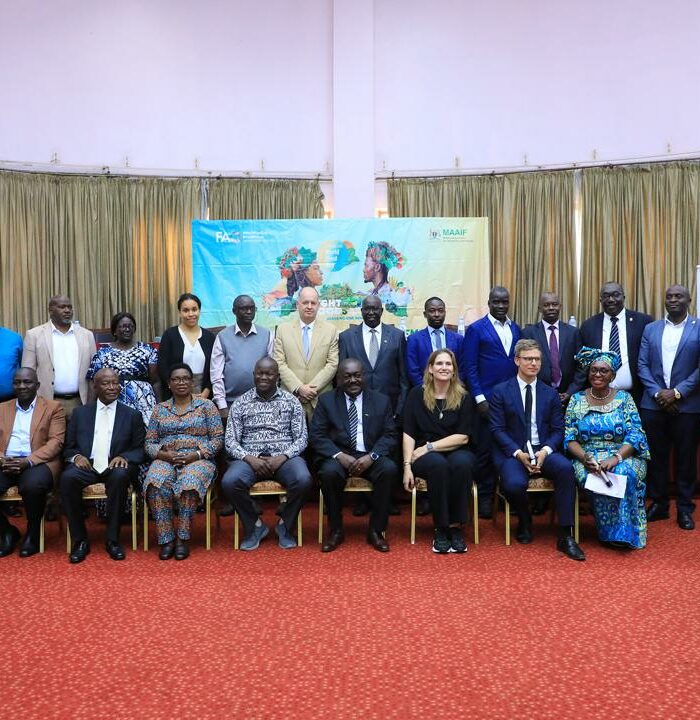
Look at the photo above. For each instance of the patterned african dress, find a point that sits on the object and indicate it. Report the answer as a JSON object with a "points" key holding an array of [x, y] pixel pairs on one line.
{"points": [[602, 430], [197, 428]]}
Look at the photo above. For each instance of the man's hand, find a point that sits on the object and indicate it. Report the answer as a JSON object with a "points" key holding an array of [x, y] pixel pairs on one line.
{"points": [[483, 408], [275, 462], [307, 392], [347, 461], [564, 398], [14, 466], [665, 398], [540, 457], [360, 465], [118, 462], [223, 413], [525, 460], [81, 462], [260, 465]]}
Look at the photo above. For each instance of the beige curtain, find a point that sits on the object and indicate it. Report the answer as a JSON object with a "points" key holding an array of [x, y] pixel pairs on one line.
{"points": [[257, 199], [531, 220], [639, 228]]}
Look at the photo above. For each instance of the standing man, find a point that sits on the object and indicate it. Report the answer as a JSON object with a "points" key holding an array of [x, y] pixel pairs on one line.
{"points": [[528, 431], [352, 433], [620, 330], [306, 351], [60, 352], [265, 436], [31, 437], [669, 369], [489, 347], [10, 358], [104, 444]]}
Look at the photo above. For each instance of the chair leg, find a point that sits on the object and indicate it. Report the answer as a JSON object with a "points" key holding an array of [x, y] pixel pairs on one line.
{"points": [[207, 504], [299, 534], [235, 531], [576, 515], [320, 516], [67, 539], [145, 524], [413, 516], [507, 512], [475, 512], [41, 535], [134, 529]]}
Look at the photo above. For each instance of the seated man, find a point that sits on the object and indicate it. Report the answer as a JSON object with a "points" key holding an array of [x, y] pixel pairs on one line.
{"points": [[265, 436], [527, 426], [353, 434], [31, 437], [104, 444]]}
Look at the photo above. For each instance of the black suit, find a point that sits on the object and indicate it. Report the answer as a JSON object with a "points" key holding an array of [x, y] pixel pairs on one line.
{"points": [[128, 437], [329, 434], [569, 344], [171, 350]]}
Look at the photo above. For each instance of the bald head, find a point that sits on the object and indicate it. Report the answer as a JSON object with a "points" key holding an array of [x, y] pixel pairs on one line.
{"points": [[307, 304], [61, 311]]}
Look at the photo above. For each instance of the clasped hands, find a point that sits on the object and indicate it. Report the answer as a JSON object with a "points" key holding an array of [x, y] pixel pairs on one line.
{"points": [[13, 466], [596, 467], [80, 461], [307, 392], [176, 458], [266, 466], [352, 465], [666, 399], [540, 457]]}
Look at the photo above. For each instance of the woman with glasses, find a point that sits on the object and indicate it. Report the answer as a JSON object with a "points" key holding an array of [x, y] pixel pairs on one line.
{"points": [[604, 434]]}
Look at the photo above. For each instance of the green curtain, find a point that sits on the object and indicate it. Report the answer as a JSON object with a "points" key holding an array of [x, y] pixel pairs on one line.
{"points": [[639, 228], [531, 226]]}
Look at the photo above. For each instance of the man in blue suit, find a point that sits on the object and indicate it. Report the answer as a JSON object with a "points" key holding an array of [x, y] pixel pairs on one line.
{"points": [[488, 358], [528, 431], [668, 367]]}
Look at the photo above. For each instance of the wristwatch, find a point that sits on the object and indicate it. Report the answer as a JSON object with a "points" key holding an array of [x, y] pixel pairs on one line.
{"points": [[676, 393], [429, 447], [374, 456]]}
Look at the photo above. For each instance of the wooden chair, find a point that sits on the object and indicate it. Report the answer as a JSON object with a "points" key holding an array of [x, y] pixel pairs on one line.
{"points": [[208, 499], [352, 485], [12, 495], [261, 488]]}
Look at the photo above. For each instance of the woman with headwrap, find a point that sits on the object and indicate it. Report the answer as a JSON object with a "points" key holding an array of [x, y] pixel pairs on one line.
{"points": [[604, 433]]}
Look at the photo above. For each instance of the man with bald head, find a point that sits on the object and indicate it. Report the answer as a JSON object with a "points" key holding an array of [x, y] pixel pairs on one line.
{"points": [[31, 437], [669, 369]]}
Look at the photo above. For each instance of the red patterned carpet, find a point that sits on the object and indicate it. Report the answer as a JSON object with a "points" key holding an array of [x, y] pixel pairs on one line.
{"points": [[497, 633]]}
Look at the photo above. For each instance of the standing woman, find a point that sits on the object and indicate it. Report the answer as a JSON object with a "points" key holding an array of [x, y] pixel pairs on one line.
{"points": [[437, 425], [187, 343]]}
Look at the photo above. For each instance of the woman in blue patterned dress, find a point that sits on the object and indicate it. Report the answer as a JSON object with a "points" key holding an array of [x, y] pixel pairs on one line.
{"points": [[603, 432], [184, 436]]}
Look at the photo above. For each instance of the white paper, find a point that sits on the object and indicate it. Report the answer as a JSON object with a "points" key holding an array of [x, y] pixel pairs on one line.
{"points": [[596, 484]]}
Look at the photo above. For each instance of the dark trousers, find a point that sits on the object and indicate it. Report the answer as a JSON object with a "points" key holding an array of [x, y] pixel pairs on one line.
{"points": [[665, 431], [332, 477], [514, 481], [34, 485], [485, 473], [293, 474], [116, 481], [449, 478]]}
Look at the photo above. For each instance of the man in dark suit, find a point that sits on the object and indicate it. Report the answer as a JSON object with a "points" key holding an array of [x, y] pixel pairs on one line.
{"points": [[353, 434], [435, 337], [669, 369], [528, 432], [620, 330], [104, 444]]}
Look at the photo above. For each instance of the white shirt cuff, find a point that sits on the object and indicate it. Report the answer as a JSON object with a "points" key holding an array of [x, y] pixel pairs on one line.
{"points": [[479, 399]]}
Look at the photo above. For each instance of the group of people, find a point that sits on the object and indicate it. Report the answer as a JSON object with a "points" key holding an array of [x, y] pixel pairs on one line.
{"points": [[500, 405]]}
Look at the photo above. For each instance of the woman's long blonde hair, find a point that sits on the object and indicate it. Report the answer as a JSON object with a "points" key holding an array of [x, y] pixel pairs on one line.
{"points": [[455, 391]]}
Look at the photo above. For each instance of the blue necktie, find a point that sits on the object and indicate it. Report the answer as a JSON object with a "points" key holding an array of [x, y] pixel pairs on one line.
{"points": [[438, 339], [305, 342]]}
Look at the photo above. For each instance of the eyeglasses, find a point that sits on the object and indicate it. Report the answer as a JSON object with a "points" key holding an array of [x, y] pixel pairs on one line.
{"points": [[529, 359], [600, 371], [180, 380]]}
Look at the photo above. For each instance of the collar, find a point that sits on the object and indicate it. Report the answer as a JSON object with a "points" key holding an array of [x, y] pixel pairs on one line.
{"points": [[440, 330], [524, 384], [367, 329], [667, 321], [493, 320], [111, 406], [29, 409], [620, 317], [302, 325], [349, 399], [54, 329], [238, 331], [548, 324], [276, 394]]}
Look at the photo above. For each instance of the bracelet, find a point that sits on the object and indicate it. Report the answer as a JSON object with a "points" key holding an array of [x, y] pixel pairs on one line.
{"points": [[618, 456], [199, 454], [407, 463]]}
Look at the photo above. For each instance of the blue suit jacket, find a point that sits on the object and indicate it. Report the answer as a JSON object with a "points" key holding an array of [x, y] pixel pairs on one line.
{"points": [[485, 359], [685, 372], [507, 419], [418, 349]]}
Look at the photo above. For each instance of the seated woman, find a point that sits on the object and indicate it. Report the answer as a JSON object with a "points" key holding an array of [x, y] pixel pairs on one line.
{"points": [[603, 432], [188, 343], [437, 425], [183, 439]]}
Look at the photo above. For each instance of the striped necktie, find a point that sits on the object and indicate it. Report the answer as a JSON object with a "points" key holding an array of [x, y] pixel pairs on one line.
{"points": [[352, 417], [614, 343]]}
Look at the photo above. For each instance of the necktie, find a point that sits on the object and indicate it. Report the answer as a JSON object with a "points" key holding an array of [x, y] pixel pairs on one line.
{"points": [[352, 417], [100, 458], [305, 342], [614, 343], [373, 347], [528, 413], [438, 339], [554, 356]]}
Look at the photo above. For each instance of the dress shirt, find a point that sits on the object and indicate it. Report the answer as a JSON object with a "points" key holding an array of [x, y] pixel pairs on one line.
{"points": [[367, 336], [111, 414], [443, 337], [623, 377], [503, 331], [193, 355], [360, 439], [66, 362], [10, 359], [534, 435], [272, 427], [302, 325], [19, 444], [670, 340], [546, 325]]}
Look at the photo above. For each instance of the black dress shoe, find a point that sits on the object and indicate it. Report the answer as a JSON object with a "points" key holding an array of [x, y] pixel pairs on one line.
{"points": [[80, 551], [656, 511], [28, 547], [336, 538], [114, 550], [9, 541], [377, 541], [685, 521], [167, 551], [361, 507], [182, 551], [485, 509], [524, 532], [570, 548]]}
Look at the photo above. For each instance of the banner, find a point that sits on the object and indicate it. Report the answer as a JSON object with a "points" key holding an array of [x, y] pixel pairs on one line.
{"points": [[403, 261]]}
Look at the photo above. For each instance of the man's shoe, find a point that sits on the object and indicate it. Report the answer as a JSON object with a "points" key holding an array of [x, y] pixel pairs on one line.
{"points": [[422, 505], [570, 548], [377, 541], [182, 550], [285, 539], [457, 543], [441, 542], [656, 511], [227, 510], [335, 538], [685, 521], [485, 508], [252, 541], [166, 551], [9, 541], [524, 533], [361, 506], [28, 547], [81, 550], [114, 550]]}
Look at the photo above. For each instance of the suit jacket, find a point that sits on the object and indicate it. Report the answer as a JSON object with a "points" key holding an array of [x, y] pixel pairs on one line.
{"points": [[419, 347], [171, 350], [329, 432], [128, 435], [685, 371], [295, 369], [569, 345], [388, 376], [46, 432], [486, 361], [38, 354], [507, 419]]}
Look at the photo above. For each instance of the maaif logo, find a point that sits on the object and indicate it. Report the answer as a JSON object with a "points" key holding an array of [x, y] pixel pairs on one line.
{"points": [[223, 237], [447, 233], [433, 234]]}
